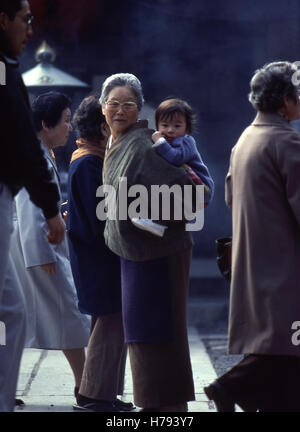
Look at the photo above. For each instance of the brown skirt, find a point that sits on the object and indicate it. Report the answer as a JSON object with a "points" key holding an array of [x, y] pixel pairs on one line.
{"points": [[162, 373]]}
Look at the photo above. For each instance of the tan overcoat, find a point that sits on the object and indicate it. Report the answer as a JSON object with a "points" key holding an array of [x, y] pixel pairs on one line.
{"points": [[263, 191]]}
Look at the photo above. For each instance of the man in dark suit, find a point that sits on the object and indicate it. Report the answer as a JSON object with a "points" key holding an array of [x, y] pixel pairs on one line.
{"points": [[22, 164]]}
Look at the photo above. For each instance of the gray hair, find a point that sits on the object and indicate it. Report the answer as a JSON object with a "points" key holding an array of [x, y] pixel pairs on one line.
{"points": [[122, 80], [270, 84]]}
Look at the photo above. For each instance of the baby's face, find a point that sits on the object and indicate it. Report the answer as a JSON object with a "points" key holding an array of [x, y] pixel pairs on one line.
{"points": [[173, 127]]}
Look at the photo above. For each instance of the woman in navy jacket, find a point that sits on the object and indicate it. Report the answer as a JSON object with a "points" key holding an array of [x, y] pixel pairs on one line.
{"points": [[96, 270]]}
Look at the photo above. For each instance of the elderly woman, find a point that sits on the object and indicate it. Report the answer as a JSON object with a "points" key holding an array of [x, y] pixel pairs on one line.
{"points": [[95, 268], [263, 191], [54, 321], [154, 270]]}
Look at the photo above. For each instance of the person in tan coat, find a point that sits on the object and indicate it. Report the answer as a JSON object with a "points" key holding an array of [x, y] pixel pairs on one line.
{"points": [[263, 192]]}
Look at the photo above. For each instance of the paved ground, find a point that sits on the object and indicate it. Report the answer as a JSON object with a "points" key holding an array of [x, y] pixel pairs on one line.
{"points": [[216, 347], [46, 381]]}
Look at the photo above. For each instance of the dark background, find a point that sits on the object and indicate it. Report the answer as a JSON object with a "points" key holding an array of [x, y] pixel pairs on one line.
{"points": [[202, 51]]}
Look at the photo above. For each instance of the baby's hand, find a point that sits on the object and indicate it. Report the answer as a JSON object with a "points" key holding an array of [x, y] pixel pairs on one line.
{"points": [[156, 136]]}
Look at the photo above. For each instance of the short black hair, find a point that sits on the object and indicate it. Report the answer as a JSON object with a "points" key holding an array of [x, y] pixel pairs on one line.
{"points": [[48, 107], [10, 7], [270, 84], [171, 108], [88, 119]]}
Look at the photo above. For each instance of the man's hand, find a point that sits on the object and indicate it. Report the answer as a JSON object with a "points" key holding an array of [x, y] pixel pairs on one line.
{"points": [[49, 268], [57, 229]]}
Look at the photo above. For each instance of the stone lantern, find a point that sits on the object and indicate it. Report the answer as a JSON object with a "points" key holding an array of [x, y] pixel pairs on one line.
{"points": [[45, 75]]}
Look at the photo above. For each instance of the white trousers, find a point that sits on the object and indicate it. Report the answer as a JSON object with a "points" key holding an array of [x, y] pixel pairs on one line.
{"points": [[12, 309]]}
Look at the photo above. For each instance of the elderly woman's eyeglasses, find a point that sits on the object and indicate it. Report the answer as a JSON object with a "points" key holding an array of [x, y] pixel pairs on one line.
{"points": [[115, 105]]}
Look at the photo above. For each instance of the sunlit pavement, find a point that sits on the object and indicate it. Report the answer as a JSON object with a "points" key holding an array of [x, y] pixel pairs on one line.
{"points": [[46, 381]]}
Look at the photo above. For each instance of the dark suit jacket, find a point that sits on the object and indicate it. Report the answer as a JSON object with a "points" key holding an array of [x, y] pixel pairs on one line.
{"points": [[22, 163]]}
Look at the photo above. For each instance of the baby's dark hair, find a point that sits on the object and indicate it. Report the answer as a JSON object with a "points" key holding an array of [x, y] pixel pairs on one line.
{"points": [[171, 108]]}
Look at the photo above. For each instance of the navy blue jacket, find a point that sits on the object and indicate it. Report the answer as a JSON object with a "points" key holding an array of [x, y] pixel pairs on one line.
{"points": [[96, 270]]}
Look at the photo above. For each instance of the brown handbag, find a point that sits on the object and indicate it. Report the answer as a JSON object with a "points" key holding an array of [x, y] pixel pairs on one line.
{"points": [[223, 246]]}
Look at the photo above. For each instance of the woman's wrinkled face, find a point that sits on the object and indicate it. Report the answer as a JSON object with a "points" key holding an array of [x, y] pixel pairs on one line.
{"points": [[120, 110]]}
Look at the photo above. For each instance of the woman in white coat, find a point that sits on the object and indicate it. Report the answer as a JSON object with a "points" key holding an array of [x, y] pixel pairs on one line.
{"points": [[53, 318]]}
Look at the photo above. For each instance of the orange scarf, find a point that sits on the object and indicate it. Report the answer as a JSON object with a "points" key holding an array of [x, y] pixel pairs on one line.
{"points": [[88, 148]]}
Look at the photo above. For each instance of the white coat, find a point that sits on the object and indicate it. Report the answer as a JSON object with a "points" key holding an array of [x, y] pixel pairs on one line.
{"points": [[53, 318]]}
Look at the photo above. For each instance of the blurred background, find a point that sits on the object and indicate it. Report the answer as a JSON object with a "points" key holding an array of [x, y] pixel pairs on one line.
{"points": [[202, 51]]}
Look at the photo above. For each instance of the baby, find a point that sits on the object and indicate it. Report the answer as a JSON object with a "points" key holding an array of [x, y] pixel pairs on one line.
{"points": [[172, 141]]}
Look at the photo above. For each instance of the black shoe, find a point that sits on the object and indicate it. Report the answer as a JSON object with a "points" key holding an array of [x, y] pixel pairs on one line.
{"points": [[223, 401], [99, 406], [19, 402], [124, 406], [216, 393], [87, 404]]}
